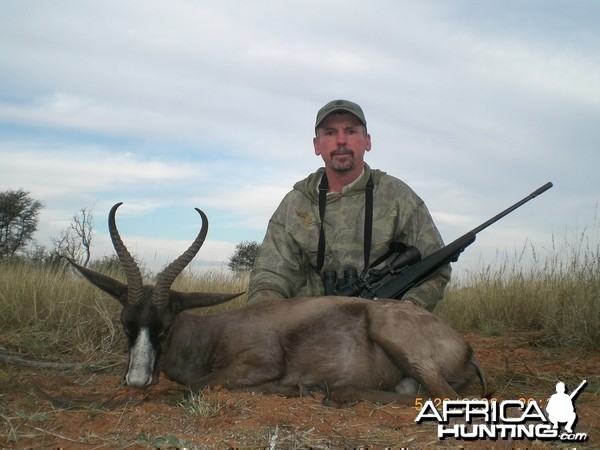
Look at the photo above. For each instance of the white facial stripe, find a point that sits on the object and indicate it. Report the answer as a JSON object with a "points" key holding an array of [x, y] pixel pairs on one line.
{"points": [[141, 360]]}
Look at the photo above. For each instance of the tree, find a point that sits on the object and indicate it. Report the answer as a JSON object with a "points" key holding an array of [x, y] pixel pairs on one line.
{"points": [[243, 257], [18, 221], [77, 239]]}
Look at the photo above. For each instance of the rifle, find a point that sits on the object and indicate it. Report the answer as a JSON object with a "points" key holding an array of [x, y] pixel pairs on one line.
{"points": [[408, 270], [576, 391]]}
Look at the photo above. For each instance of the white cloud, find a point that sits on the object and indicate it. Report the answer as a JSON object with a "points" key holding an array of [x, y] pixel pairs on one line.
{"points": [[53, 173], [169, 106]]}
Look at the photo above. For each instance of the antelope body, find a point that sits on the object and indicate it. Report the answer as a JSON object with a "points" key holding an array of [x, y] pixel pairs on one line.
{"points": [[350, 348]]}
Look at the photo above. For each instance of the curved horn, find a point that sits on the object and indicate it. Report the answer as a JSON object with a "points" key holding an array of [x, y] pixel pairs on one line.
{"points": [[165, 279], [132, 271]]}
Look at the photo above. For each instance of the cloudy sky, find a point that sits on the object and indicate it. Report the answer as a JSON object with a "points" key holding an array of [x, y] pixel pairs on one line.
{"points": [[171, 105]]}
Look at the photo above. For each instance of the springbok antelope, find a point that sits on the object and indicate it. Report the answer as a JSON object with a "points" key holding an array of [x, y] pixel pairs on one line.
{"points": [[350, 348]]}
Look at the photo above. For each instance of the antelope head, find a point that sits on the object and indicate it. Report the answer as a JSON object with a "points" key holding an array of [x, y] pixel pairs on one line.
{"points": [[149, 311]]}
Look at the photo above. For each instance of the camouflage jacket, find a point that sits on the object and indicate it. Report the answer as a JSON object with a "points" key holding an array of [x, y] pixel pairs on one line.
{"points": [[285, 265]]}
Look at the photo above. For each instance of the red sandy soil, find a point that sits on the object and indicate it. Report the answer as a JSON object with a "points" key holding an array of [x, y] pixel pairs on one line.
{"points": [[49, 408]]}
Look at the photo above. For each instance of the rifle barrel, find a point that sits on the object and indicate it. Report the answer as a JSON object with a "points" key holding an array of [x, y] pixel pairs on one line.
{"points": [[418, 272], [510, 209], [576, 391]]}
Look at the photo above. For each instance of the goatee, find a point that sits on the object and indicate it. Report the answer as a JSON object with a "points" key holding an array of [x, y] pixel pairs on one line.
{"points": [[345, 164]]}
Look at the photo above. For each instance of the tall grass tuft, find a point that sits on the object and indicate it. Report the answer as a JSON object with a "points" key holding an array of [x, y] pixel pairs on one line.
{"points": [[557, 295], [48, 311], [54, 313]]}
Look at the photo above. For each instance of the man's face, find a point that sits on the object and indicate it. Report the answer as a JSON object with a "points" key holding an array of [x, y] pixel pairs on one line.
{"points": [[342, 142]]}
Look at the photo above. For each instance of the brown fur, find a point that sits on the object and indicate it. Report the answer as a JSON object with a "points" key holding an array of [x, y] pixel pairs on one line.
{"points": [[353, 349]]}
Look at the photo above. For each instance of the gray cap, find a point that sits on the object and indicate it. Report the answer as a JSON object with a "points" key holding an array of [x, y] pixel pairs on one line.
{"points": [[340, 105]]}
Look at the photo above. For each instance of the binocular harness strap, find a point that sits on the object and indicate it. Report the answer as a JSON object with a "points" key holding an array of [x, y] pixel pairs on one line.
{"points": [[368, 228]]}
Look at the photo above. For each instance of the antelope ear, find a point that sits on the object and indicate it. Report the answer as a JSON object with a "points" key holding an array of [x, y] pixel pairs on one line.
{"points": [[180, 301], [112, 287]]}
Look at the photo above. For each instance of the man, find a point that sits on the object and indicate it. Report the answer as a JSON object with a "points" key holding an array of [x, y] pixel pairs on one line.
{"points": [[356, 231]]}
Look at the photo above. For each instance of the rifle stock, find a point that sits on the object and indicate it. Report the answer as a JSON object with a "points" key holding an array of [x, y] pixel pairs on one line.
{"points": [[420, 271]]}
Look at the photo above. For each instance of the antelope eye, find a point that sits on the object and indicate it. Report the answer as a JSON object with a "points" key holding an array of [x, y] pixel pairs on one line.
{"points": [[129, 328]]}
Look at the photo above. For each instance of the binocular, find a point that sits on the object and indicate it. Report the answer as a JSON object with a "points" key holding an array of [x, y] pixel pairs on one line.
{"points": [[336, 286], [351, 285]]}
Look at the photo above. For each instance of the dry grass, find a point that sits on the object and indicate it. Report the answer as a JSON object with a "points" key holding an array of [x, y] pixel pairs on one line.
{"points": [[557, 295], [50, 313]]}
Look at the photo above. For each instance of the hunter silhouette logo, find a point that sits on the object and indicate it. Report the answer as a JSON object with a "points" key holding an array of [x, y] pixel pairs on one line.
{"points": [[560, 407], [507, 419]]}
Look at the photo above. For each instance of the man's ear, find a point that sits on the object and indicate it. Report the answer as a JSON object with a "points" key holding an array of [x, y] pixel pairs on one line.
{"points": [[316, 146]]}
